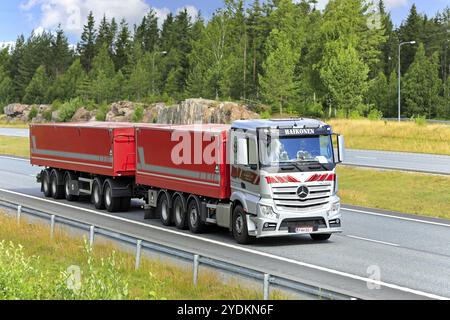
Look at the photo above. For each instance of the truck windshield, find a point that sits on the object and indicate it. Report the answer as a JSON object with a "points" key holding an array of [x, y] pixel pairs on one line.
{"points": [[297, 150]]}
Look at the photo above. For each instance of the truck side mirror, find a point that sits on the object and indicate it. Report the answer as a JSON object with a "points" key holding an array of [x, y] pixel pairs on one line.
{"points": [[242, 152], [341, 149]]}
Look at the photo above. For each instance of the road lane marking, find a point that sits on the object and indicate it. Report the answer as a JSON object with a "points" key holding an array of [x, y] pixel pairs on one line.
{"points": [[396, 217], [243, 249], [376, 241], [14, 158]]}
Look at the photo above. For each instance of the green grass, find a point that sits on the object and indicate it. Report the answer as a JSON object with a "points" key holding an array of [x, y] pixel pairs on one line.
{"points": [[394, 136], [414, 193], [15, 146], [36, 270]]}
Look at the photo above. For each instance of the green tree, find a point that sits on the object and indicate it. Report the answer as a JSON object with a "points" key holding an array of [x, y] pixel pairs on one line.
{"points": [[103, 77], [6, 88], [36, 91], [123, 46], [66, 85], [421, 85], [378, 93], [60, 53], [345, 76], [277, 82], [87, 47]]}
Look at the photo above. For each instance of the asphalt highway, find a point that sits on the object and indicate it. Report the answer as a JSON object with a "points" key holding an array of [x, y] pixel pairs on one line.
{"points": [[411, 254], [428, 163]]}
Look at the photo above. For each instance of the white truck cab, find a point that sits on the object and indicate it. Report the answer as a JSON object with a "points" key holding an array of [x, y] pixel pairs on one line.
{"points": [[283, 178]]}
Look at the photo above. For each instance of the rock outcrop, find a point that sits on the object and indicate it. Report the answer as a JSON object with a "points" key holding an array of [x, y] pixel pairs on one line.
{"points": [[190, 111]]}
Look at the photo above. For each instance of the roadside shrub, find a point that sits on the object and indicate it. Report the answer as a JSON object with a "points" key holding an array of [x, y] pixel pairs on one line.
{"points": [[47, 115], [374, 114], [354, 115], [138, 114], [33, 113], [420, 120], [266, 114], [68, 109], [101, 112]]}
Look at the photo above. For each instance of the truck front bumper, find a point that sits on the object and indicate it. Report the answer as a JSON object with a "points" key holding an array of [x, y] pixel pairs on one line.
{"points": [[293, 223]]}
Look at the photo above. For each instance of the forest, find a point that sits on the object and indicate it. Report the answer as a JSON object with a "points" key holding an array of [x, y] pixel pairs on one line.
{"points": [[338, 62]]}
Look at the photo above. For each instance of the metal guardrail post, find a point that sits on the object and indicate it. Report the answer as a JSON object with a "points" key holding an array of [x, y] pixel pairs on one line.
{"points": [[19, 213], [91, 235], [52, 226], [196, 265], [266, 286], [138, 254]]}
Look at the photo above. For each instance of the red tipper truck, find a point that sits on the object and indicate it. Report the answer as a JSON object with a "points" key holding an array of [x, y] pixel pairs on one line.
{"points": [[257, 178]]}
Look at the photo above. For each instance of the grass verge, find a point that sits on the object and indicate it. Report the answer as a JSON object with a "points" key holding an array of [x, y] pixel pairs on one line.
{"points": [[414, 193], [15, 125], [34, 267], [394, 136], [15, 146]]}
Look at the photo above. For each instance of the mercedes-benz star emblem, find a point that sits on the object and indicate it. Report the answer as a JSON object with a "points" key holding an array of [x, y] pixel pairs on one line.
{"points": [[302, 192]]}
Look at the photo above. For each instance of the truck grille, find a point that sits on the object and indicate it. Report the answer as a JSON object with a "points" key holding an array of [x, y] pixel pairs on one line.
{"points": [[317, 223], [286, 198]]}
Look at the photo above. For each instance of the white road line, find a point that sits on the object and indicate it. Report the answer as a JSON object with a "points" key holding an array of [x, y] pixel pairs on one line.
{"points": [[396, 217], [243, 249], [13, 158], [371, 240]]}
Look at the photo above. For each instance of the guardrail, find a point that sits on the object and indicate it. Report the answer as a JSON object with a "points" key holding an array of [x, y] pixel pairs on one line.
{"points": [[197, 260]]}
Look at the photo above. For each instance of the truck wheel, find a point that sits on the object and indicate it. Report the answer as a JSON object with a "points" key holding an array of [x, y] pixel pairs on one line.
{"points": [[320, 236], [179, 214], [46, 187], [164, 210], [125, 204], [97, 197], [194, 219], [240, 230], [69, 197], [57, 190], [111, 204]]}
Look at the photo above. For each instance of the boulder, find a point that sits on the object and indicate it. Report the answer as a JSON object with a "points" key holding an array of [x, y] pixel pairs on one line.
{"points": [[82, 115], [17, 111], [121, 111]]}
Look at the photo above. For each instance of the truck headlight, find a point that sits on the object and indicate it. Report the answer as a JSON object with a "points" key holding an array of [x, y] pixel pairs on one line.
{"points": [[267, 212], [335, 207]]}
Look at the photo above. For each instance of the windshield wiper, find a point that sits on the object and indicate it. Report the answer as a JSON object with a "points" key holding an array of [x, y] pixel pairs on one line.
{"points": [[322, 165]]}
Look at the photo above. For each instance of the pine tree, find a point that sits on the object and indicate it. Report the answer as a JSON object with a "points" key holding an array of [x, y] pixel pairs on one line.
{"points": [[87, 45], [147, 33], [140, 81], [123, 46], [66, 85], [36, 91], [411, 30], [377, 95], [421, 85], [61, 54], [103, 84], [6, 88]]}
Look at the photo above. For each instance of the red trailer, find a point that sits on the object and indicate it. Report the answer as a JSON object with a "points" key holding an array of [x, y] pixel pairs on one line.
{"points": [[188, 158], [95, 159]]}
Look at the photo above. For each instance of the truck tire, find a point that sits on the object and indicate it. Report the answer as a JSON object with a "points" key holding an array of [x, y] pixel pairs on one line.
{"points": [[97, 196], [179, 214], [67, 179], [320, 236], [240, 230], [194, 219], [112, 204], [164, 210], [46, 185], [57, 190]]}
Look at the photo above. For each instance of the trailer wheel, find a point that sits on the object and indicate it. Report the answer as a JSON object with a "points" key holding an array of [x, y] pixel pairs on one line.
{"points": [[57, 190], [97, 196], [46, 186], [69, 197], [194, 218], [240, 230], [179, 214], [111, 204], [320, 236], [164, 210]]}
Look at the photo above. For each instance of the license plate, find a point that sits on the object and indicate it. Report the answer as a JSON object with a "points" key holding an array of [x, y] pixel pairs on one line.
{"points": [[304, 229]]}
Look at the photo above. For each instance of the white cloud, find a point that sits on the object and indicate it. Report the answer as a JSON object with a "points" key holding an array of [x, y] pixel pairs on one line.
{"points": [[393, 4], [71, 14], [5, 44], [191, 10]]}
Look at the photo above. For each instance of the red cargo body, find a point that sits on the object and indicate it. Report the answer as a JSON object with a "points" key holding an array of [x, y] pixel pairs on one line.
{"points": [[158, 167], [99, 147]]}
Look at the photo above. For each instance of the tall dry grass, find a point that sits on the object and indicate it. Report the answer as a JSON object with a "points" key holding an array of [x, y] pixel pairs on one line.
{"points": [[394, 136]]}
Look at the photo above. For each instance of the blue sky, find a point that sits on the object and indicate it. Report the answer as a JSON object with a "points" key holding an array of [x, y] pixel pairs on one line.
{"points": [[22, 16]]}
